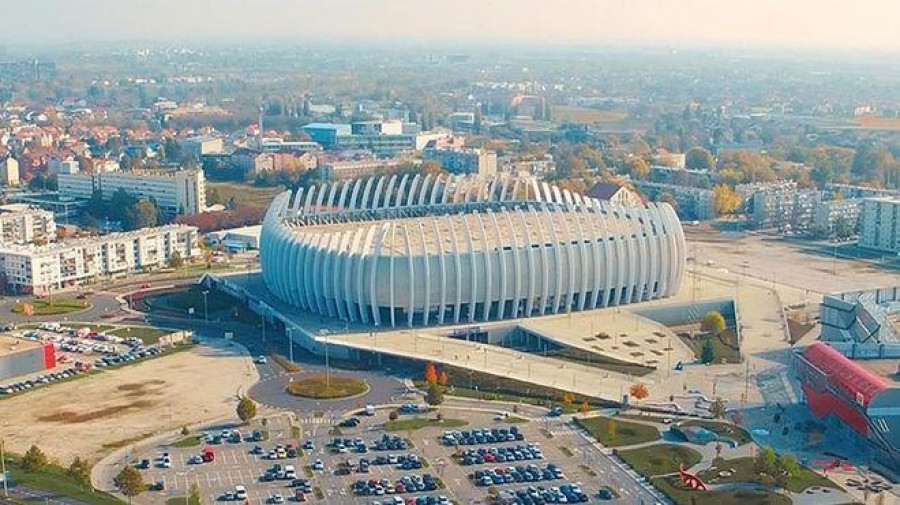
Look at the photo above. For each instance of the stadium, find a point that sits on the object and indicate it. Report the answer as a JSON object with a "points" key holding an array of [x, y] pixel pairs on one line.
{"points": [[410, 250]]}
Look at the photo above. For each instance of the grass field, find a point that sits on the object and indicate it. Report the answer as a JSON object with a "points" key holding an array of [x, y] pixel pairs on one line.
{"points": [[191, 441], [54, 306], [53, 479], [586, 115], [671, 486], [660, 459], [181, 500], [726, 430], [623, 432], [147, 334], [337, 387], [244, 194], [416, 423]]}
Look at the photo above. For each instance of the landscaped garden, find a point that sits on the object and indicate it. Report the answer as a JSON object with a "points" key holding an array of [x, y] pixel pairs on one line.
{"points": [[724, 430], [660, 459], [613, 432], [321, 388], [51, 306]]}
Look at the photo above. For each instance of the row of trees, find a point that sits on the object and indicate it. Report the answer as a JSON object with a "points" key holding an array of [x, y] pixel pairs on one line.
{"points": [[122, 206]]}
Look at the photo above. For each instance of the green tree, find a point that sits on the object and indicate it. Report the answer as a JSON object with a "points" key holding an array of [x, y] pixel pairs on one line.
{"points": [[129, 482], [195, 494], [34, 460], [246, 409], [698, 158], [175, 260], [708, 352], [80, 472], [434, 395], [788, 465], [713, 322], [843, 227], [766, 461], [717, 409]]}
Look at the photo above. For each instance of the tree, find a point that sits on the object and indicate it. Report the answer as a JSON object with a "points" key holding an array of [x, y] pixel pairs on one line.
{"points": [[766, 461], [393, 416], [638, 168], [431, 375], [213, 197], [175, 260], [129, 482], [444, 379], [669, 199], [611, 430], [639, 391], [185, 430], [568, 398], [698, 158], [717, 409], [708, 352], [195, 494], [246, 409], [585, 407], [434, 395], [34, 460], [843, 228], [725, 200], [80, 472], [713, 322]]}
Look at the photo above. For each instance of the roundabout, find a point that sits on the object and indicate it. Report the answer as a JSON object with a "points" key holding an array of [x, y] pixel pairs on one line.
{"points": [[320, 387]]}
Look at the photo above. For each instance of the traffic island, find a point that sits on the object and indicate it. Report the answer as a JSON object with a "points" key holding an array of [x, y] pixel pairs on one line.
{"points": [[51, 307], [318, 387]]}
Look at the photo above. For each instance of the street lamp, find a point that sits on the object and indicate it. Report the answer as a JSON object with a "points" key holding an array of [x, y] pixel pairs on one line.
{"points": [[290, 333], [205, 307]]}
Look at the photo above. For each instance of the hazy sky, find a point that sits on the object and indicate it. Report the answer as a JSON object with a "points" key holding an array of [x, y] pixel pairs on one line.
{"points": [[853, 24]]}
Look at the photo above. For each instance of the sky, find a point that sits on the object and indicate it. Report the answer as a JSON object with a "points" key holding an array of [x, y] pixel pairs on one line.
{"points": [[797, 24]]}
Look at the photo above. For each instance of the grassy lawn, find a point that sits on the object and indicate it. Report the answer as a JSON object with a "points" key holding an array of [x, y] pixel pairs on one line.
{"points": [[416, 423], [726, 430], [624, 433], [245, 194], [147, 334], [743, 470], [181, 500], [671, 486], [53, 479], [660, 459], [53, 306], [191, 441], [286, 364], [337, 387], [194, 298], [725, 347]]}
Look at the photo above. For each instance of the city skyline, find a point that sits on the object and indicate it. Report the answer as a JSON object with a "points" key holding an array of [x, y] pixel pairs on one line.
{"points": [[802, 24]]}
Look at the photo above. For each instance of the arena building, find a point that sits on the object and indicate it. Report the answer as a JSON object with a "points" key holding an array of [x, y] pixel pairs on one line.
{"points": [[415, 249]]}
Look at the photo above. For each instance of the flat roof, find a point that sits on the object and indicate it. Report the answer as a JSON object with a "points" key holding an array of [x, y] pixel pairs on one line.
{"points": [[11, 345]]}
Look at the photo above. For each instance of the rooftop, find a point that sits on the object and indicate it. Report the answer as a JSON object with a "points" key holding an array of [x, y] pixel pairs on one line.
{"points": [[12, 345]]}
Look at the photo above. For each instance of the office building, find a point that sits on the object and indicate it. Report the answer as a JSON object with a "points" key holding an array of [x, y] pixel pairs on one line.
{"points": [[879, 224], [40, 270], [24, 224], [421, 250], [176, 192], [327, 134], [354, 169]]}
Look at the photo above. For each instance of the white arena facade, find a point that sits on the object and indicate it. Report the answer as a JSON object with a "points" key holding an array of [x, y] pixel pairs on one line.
{"points": [[424, 250]]}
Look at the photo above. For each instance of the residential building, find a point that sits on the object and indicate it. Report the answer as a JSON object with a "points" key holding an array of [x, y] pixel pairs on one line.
{"points": [[176, 192], [828, 212], [880, 224], [25, 224], [834, 191], [41, 270], [354, 169], [200, 145], [780, 205], [614, 193], [680, 176], [538, 166], [251, 162], [69, 166], [691, 204], [9, 172], [279, 145], [464, 160]]}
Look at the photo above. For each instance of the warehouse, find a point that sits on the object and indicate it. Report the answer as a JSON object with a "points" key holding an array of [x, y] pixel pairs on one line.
{"points": [[20, 357]]}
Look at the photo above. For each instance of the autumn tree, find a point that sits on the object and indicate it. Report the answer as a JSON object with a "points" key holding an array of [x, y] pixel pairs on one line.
{"points": [[568, 398], [129, 482], [638, 168], [585, 407], [34, 460], [444, 379], [80, 472], [431, 374], [698, 158], [639, 391], [175, 260], [725, 200], [246, 409], [713, 322]]}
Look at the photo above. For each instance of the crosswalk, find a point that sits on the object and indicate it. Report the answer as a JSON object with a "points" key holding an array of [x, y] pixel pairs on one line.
{"points": [[310, 421]]}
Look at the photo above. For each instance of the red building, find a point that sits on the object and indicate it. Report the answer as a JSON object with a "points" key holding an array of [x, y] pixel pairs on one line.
{"points": [[867, 403]]}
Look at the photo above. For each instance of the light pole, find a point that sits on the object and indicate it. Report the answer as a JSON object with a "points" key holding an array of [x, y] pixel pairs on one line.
{"points": [[205, 307], [3, 468], [327, 367]]}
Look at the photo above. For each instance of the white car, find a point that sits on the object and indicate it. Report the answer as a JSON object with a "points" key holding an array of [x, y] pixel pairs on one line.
{"points": [[277, 498], [241, 492], [260, 360], [318, 465]]}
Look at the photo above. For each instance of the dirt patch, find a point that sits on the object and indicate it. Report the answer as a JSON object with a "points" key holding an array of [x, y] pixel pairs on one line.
{"points": [[68, 417], [136, 386]]}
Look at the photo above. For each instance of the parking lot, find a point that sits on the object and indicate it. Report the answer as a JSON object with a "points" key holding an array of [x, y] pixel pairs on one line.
{"points": [[365, 464]]}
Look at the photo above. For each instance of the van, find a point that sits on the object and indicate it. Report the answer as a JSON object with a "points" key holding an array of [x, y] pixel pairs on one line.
{"points": [[370, 410], [240, 492]]}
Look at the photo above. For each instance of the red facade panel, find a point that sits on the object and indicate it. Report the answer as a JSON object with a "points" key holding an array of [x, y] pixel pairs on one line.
{"points": [[853, 380], [822, 403]]}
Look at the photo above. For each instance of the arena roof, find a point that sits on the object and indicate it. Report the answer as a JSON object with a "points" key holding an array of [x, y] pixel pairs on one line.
{"points": [[849, 377]]}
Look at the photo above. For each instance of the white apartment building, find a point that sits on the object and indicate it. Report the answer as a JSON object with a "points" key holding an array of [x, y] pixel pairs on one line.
{"points": [[176, 192], [879, 223], [9, 172], [23, 224], [31, 269]]}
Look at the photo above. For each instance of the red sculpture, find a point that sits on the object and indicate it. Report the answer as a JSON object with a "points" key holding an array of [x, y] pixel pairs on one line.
{"points": [[691, 480]]}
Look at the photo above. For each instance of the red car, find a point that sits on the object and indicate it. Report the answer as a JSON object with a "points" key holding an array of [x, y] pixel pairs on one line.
{"points": [[299, 495]]}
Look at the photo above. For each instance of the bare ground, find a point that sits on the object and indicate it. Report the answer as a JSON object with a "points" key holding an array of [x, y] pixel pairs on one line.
{"points": [[92, 416]]}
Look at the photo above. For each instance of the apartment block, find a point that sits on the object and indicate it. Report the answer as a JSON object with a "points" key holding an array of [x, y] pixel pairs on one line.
{"points": [[781, 206], [176, 192], [32, 269], [464, 160], [879, 224], [24, 224], [691, 204]]}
